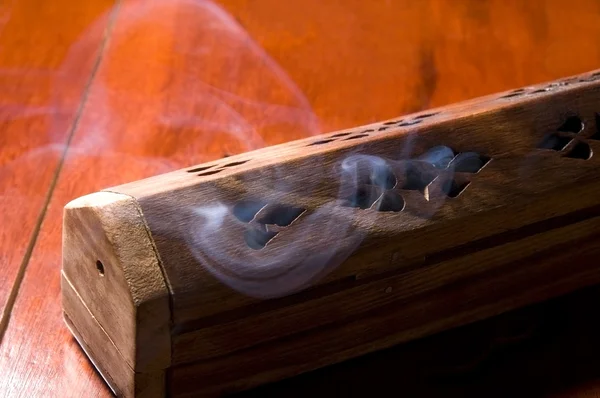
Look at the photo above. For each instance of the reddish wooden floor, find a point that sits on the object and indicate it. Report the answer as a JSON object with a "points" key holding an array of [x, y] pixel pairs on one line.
{"points": [[99, 92]]}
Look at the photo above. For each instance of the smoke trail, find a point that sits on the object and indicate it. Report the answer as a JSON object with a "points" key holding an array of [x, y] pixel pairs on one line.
{"points": [[274, 247], [193, 78], [184, 72]]}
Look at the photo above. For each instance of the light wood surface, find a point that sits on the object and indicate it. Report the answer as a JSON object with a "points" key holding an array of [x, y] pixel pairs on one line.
{"points": [[160, 98]]}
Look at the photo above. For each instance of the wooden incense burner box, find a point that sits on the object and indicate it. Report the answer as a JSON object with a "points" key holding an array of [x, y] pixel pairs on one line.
{"points": [[246, 270]]}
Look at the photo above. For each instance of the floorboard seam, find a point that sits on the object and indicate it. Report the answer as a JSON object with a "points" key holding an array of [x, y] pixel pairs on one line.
{"points": [[14, 292]]}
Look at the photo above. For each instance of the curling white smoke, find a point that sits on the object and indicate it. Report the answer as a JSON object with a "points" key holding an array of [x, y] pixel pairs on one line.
{"points": [[217, 238], [194, 79], [319, 240]]}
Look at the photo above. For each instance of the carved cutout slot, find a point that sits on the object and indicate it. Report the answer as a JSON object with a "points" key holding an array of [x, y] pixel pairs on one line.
{"points": [[468, 162], [439, 156], [354, 137], [281, 215], [427, 115], [363, 197], [262, 218], [391, 201], [246, 211], [417, 178], [257, 238], [383, 176], [514, 93], [340, 135], [453, 188], [197, 169], [581, 150], [573, 124], [554, 142], [210, 172], [321, 142], [542, 90], [234, 163], [442, 161], [410, 123]]}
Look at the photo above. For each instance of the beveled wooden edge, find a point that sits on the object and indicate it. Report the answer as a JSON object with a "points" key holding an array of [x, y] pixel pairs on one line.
{"points": [[111, 263], [341, 140], [103, 354], [204, 268]]}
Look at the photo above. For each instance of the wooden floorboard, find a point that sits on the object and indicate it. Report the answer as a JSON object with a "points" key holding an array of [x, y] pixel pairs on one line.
{"points": [[45, 69], [173, 90]]}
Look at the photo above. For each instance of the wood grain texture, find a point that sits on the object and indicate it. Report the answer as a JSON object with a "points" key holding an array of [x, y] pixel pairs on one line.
{"points": [[203, 242], [355, 63], [109, 362], [529, 249], [549, 349], [451, 305], [130, 304], [41, 88]]}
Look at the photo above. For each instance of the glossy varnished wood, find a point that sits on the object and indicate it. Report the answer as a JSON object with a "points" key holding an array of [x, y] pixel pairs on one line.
{"points": [[347, 64], [41, 87]]}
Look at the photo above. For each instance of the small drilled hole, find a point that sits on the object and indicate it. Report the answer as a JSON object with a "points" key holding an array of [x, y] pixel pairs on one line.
{"points": [[281, 215], [321, 142], [391, 201], [197, 169], [354, 137], [410, 123], [340, 135], [555, 142], [453, 188], [367, 131], [383, 128], [543, 90], [234, 164], [210, 172], [100, 267], [581, 150], [245, 211], [258, 238], [573, 124], [391, 122], [426, 115], [468, 162]]}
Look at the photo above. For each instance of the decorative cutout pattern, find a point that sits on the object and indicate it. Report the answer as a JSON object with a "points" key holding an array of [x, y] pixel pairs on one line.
{"points": [[443, 163], [380, 190], [551, 86], [264, 220], [570, 138], [353, 135], [245, 211], [215, 168]]}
